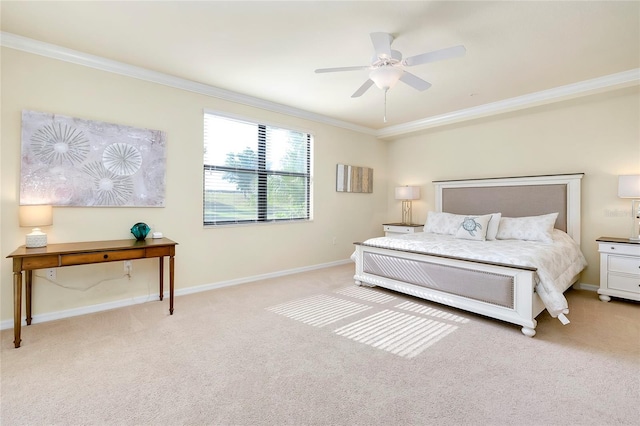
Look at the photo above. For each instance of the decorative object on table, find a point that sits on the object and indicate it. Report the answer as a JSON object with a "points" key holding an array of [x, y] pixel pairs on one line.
{"points": [[35, 216], [629, 187], [90, 163], [407, 194], [354, 179], [140, 231]]}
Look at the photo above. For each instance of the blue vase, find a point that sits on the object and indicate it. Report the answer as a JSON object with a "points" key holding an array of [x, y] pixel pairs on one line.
{"points": [[140, 231]]}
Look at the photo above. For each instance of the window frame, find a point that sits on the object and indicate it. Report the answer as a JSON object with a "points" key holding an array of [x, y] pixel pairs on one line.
{"points": [[262, 173]]}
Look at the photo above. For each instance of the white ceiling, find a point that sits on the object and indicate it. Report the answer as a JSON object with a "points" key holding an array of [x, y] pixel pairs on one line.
{"points": [[269, 50]]}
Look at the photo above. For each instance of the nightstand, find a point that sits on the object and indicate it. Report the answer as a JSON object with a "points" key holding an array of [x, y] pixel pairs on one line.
{"points": [[401, 228], [619, 268]]}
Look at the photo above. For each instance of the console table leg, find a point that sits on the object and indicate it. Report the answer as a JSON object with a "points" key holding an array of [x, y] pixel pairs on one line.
{"points": [[17, 307], [161, 261], [28, 286], [171, 266]]}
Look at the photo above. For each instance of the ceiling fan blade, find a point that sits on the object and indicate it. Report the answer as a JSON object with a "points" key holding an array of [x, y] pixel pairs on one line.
{"points": [[436, 55], [363, 67], [414, 81], [382, 44], [362, 89]]}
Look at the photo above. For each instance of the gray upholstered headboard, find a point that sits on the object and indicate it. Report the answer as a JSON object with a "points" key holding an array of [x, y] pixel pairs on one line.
{"points": [[516, 197]]}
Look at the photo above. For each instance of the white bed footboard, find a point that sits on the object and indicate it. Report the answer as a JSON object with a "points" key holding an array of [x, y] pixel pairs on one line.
{"points": [[505, 293]]}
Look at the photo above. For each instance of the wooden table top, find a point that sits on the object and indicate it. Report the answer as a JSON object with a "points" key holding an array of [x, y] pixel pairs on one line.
{"points": [[91, 246]]}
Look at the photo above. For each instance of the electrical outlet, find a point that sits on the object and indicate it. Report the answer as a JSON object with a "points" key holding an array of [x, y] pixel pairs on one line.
{"points": [[334, 241], [128, 267], [51, 274]]}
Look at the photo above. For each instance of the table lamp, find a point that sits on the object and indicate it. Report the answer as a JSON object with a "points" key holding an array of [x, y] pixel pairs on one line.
{"points": [[35, 216], [407, 194], [629, 187]]}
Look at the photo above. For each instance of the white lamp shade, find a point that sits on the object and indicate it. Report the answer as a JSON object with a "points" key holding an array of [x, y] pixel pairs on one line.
{"points": [[407, 193], [385, 77], [629, 186], [34, 216]]}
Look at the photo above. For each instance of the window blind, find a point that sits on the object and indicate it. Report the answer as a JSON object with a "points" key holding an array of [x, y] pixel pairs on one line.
{"points": [[254, 172]]}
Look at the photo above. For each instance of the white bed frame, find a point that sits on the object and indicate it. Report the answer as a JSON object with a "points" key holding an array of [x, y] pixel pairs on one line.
{"points": [[527, 305]]}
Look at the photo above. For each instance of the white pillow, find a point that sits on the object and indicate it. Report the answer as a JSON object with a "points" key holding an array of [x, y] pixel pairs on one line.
{"points": [[494, 224], [442, 223], [530, 228], [473, 227], [448, 223]]}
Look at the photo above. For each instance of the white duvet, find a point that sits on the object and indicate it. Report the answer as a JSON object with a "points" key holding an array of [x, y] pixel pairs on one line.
{"points": [[557, 263]]}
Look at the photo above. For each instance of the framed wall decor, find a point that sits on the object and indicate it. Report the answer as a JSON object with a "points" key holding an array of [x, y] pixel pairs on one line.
{"points": [[69, 161], [354, 179]]}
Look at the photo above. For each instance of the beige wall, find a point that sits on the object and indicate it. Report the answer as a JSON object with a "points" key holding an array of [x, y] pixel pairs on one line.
{"points": [[204, 256], [598, 135]]}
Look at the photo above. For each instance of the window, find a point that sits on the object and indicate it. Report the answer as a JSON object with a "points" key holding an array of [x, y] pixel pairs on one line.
{"points": [[254, 172]]}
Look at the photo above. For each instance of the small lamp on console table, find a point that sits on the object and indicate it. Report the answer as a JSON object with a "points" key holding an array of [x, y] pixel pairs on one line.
{"points": [[629, 187], [407, 194], [35, 216]]}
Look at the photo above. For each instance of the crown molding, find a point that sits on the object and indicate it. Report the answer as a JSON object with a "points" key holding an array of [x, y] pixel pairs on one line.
{"points": [[557, 94], [583, 88], [53, 51]]}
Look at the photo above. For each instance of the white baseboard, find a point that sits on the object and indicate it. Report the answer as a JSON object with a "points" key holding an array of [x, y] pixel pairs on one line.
{"points": [[585, 286], [51, 316]]}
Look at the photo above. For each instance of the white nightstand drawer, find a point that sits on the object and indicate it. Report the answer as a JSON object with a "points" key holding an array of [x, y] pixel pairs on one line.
{"points": [[619, 282], [628, 265], [399, 228], [629, 249], [395, 228]]}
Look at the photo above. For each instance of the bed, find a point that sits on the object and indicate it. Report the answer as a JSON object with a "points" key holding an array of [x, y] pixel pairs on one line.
{"points": [[472, 274]]}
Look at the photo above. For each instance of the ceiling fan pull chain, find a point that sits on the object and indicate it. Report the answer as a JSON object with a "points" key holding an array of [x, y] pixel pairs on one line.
{"points": [[385, 106]]}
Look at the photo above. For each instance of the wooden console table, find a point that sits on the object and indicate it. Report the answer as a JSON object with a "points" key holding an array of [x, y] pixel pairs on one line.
{"points": [[69, 254]]}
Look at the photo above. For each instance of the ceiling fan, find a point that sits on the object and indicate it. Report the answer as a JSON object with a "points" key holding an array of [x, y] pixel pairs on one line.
{"points": [[387, 65]]}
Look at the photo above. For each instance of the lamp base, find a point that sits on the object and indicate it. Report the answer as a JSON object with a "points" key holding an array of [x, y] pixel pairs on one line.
{"points": [[635, 221], [406, 212], [36, 239]]}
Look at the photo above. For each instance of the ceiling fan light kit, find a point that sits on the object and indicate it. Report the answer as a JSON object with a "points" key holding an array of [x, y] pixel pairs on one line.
{"points": [[386, 67], [386, 77]]}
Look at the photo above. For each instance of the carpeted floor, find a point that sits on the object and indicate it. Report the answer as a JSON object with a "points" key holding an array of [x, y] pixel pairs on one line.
{"points": [[313, 349]]}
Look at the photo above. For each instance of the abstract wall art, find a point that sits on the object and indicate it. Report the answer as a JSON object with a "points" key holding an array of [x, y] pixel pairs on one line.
{"points": [[354, 178], [69, 161]]}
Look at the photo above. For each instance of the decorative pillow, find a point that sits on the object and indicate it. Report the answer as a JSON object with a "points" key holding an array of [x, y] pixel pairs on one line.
{"points": [[494, 223], [442, 223], [473, 227], [531, 228]]}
